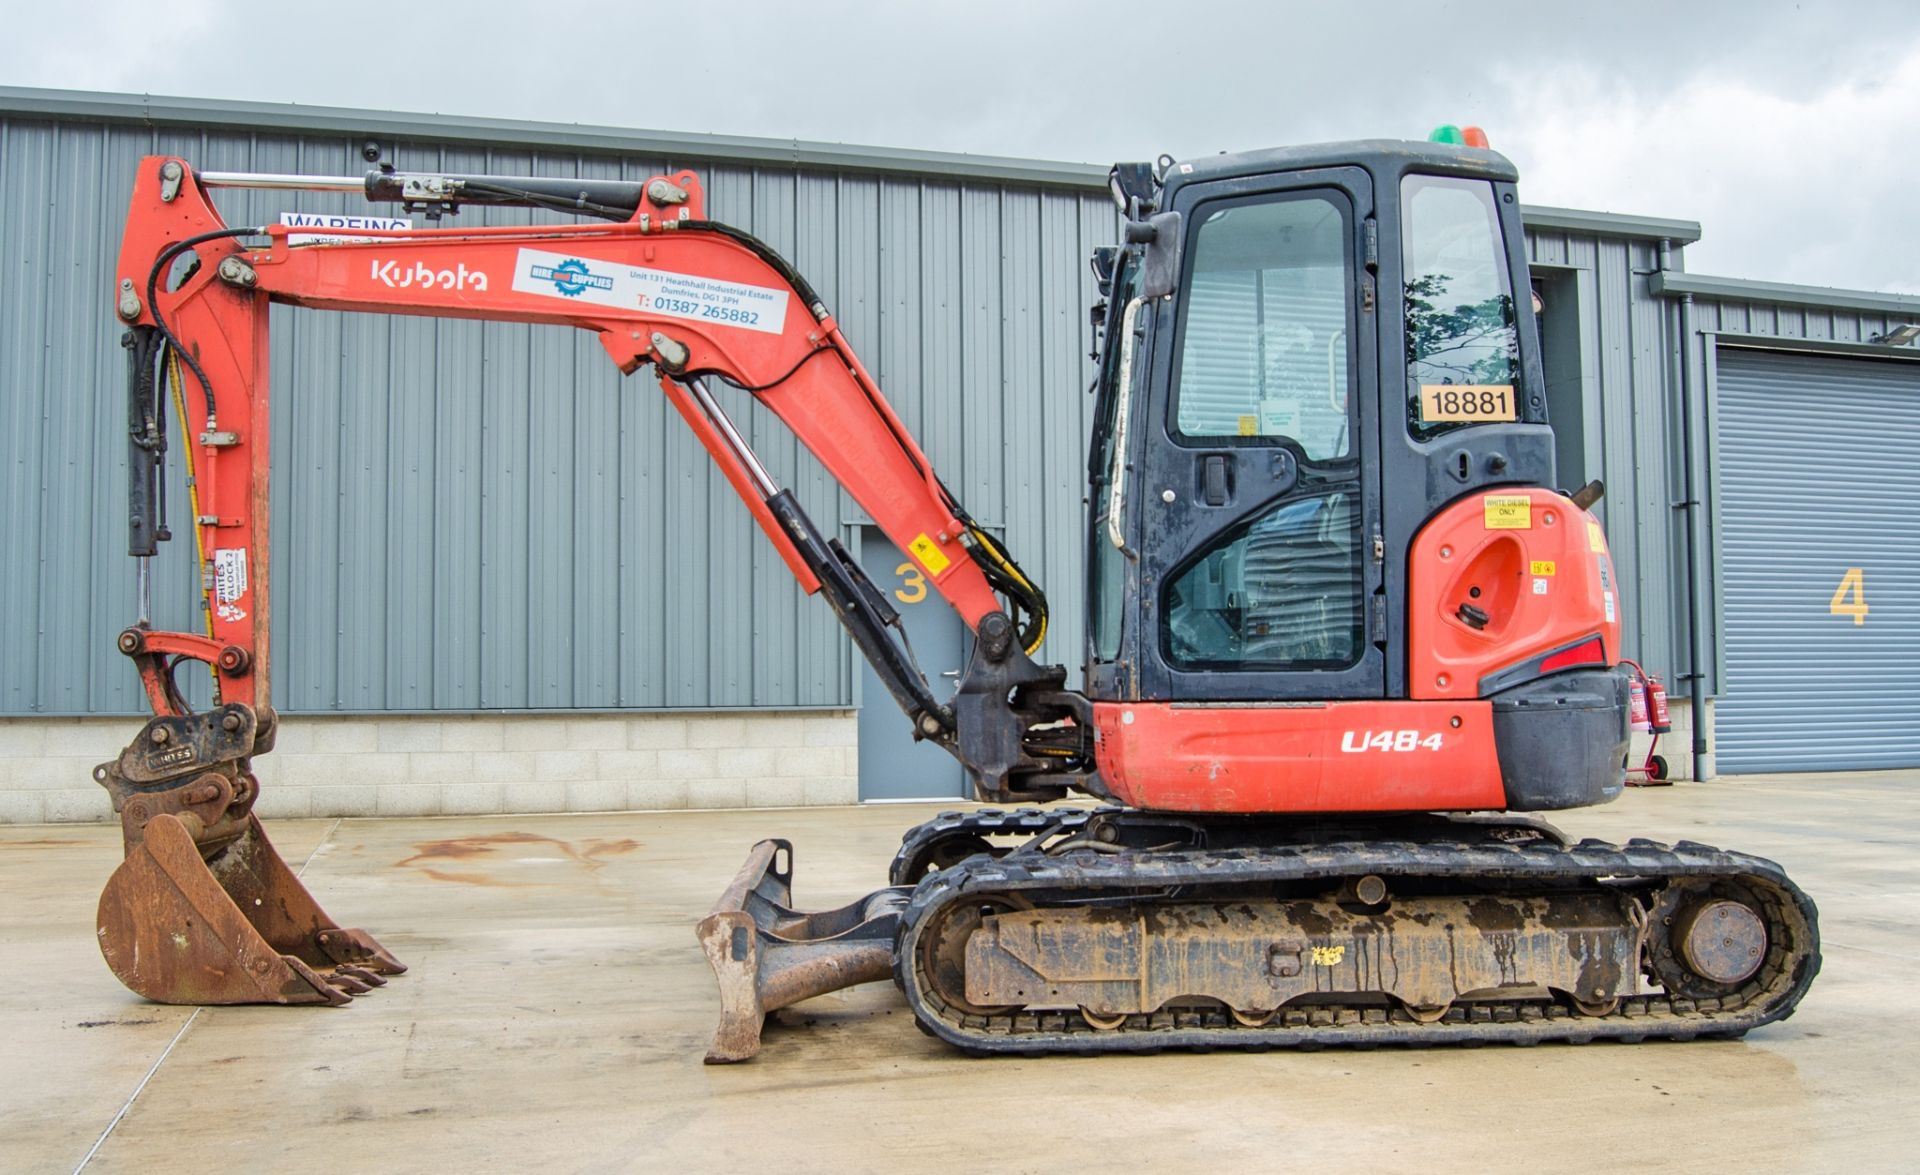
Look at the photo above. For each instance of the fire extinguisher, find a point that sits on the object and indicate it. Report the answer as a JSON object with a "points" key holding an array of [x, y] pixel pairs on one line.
{"points": [[1660, 722], [1647, 709]]}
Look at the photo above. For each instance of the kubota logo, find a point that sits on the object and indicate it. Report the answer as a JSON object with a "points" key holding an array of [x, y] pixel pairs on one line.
{"points": [[398, 277]]}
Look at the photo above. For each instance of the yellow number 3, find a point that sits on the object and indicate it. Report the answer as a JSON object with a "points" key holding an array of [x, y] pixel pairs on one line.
{"points": [[1852, 584], [914, 587]]}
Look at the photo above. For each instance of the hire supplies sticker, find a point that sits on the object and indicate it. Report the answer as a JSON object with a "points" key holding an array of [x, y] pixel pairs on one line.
{"points": [[1509, 511], [651, 291]]}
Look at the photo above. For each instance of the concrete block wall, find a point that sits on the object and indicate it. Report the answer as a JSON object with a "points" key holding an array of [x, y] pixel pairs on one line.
{"points": [[460, 764]]}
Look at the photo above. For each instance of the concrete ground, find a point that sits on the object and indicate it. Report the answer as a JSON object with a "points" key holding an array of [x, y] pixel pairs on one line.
{"points": [[558, 1007]]}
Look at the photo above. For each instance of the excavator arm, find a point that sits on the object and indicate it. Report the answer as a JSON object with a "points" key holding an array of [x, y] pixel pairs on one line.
{"points": [[659, 284]]}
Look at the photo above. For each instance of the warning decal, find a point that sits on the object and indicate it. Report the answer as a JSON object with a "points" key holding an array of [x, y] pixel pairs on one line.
{"points": [[929, 553]]}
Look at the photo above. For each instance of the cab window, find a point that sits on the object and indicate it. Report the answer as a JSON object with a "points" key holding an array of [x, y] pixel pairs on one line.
{"points": [[1264, 352], [1463, 344]]}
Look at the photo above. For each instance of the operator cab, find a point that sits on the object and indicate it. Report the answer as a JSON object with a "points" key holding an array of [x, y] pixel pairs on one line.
{"points": [[1265, 445]]}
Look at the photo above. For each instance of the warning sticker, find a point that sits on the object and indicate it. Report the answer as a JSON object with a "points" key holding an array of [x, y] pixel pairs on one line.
{"points": [[1249, 426], [929, 553], [338, 230], [653, 291], [1542, 567], [1596, 538], [1611, 614], [1539, 586], [1509, 512]]}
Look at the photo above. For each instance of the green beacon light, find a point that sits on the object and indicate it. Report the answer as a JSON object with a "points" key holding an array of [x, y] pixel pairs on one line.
{"points": [[1471, 136]]}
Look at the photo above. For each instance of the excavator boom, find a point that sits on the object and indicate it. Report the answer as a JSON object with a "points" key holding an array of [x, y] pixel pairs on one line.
{"points": [[659, 284]]}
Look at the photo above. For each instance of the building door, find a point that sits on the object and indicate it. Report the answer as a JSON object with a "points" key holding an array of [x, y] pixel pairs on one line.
{"points": [[892, 765], [1820, 554]]}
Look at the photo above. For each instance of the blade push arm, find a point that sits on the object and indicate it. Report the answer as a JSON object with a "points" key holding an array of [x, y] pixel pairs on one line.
{"points": [[695, 299]]}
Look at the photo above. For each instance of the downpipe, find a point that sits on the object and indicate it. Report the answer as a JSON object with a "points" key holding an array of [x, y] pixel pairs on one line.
{"points": [[1690, 504]]}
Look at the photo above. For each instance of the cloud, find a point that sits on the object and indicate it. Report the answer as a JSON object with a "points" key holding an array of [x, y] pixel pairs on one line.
{"points": [[1775, 124], [1809, 188]]}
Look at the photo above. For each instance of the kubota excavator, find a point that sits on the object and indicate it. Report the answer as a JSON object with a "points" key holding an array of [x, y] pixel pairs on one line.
{"points": [[1342, 633]]}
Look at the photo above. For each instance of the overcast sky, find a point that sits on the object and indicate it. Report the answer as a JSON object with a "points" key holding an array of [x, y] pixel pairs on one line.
{"points": [[1785, 129]]}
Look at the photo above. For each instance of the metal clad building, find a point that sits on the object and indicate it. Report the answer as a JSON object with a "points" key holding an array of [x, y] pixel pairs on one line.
{"points": [[1816, 573], [479, 524], [488, 516]]}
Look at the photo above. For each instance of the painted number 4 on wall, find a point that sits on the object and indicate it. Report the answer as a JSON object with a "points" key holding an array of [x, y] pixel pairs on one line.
{"points": [[1850, 598]]}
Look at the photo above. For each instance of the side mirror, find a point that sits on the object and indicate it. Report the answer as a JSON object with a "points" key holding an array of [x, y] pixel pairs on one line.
{"points": [[1160, 267], [1135, 188], [1106, 259]]}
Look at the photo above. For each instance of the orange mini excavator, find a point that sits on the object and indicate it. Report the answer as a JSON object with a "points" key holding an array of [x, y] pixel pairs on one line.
{"points": [[1342, 631]]}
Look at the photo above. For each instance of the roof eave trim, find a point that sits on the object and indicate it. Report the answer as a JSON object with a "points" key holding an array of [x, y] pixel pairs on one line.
{"points": [[213, 113], [1610, 224], [1671, 284]]}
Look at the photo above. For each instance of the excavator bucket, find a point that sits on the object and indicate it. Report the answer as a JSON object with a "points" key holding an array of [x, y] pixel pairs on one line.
{"points": [[203, 910], [766, 955], [234, 926]]}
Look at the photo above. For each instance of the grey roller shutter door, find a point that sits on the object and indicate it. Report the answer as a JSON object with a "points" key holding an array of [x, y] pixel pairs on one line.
{"points": [[1819, 477]]}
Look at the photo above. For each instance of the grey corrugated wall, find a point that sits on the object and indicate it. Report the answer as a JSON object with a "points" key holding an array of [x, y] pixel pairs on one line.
{"points": [[1631, 440], [488, 516]]}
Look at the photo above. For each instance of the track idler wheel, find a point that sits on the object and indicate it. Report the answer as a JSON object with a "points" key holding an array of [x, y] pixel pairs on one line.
{"points": [[1706, 940], [943, 951]]}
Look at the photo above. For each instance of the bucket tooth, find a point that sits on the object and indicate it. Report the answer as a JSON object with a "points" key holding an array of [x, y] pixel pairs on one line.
{"points": [[236, 927], [766, 955]]}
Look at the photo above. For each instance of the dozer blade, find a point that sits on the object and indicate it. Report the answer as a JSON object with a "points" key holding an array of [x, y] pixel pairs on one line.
{"points": [[237, 928], [767, 956]]}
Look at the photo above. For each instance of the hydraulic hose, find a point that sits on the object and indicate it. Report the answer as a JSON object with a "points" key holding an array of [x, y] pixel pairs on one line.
{"points": [[159, 320]]}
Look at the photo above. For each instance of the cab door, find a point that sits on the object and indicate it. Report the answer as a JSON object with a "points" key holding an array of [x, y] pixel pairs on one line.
{"points": [[1255, 491]]}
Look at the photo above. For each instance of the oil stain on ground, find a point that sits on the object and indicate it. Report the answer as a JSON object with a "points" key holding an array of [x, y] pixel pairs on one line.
{"points": [[474, 860]]}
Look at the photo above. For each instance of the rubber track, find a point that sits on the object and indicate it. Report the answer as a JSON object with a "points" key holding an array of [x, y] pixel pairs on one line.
{"points": [[1792, 961], [985, 822]]}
